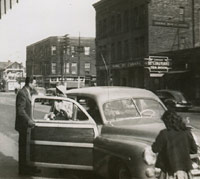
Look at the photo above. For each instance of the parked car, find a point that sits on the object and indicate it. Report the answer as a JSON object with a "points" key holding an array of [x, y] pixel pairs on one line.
{"points": [[39, 91], [108, 130], [49, 92], [174, 99]]}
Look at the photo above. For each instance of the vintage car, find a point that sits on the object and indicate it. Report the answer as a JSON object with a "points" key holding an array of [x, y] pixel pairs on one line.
{"points": [[107, 130], [174, 99]]}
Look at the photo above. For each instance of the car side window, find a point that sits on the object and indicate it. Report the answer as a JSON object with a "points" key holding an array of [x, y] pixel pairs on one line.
{"points": [[91, 107], [58, 110]]}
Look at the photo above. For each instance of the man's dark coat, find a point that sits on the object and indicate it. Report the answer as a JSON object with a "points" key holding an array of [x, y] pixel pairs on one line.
{"points": [[23, 110]]}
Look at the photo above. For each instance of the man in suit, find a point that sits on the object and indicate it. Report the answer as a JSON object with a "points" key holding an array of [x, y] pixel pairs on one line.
{"points": [[23, 121]]}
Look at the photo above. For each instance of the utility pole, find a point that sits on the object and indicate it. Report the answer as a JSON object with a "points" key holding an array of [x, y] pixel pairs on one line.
{"points": [[79, 51], [64, 42]]}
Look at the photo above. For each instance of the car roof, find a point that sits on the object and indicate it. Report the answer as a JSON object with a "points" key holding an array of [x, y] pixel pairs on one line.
{"points": [[105, 93]]}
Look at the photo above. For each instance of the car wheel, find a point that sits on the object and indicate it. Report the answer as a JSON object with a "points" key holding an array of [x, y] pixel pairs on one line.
{"points": [[123, 172]]}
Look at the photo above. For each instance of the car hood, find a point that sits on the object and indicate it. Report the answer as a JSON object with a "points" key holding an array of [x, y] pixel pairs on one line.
{"points": [[147, 131], [143, 131]]}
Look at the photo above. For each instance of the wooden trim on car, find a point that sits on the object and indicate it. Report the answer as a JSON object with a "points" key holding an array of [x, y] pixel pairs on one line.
{"points": [[65, 125], [65, 144], [66, 166]]}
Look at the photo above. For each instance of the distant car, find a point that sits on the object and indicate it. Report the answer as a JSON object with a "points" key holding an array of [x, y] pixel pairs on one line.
{"points": [[39, 91], [108, 130], [49, 92], [174, 99]]}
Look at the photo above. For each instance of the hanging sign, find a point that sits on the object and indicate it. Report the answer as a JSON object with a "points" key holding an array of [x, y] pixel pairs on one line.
{"points": [[157, 64]]}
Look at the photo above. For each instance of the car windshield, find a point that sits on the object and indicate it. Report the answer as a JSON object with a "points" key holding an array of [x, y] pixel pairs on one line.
{"points": [[123, 109]]}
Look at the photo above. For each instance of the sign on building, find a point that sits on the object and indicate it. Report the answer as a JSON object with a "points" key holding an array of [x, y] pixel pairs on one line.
{"points": [[157, 65]]}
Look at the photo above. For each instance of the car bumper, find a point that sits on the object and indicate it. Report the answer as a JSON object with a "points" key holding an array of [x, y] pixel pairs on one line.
{"points": [[183, 106]]}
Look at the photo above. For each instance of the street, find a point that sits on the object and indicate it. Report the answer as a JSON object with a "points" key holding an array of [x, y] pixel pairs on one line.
{"points": [[9, 141]]}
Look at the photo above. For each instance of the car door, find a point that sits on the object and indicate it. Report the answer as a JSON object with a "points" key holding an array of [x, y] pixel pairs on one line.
{"points": [[61, 143]]}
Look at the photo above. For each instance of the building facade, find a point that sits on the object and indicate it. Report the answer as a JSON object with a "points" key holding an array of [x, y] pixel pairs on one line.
{"points": [[62, 59], [11, 75], [131, 35], [6, 5]]}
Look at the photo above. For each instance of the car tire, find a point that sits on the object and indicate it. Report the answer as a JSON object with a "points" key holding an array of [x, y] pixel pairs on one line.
{"points": [[123, 172]]}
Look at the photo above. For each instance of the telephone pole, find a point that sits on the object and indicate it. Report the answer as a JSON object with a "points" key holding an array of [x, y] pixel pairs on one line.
{"points": [[64, 42], [79, 51]]}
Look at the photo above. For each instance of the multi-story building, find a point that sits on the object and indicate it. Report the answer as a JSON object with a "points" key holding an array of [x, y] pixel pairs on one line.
{"points": [[131, 36], [6, 5], [62, 59], [11, 75]]}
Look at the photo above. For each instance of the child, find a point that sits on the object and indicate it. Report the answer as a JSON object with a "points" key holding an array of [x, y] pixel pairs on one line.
{"points": [[174, 146]]}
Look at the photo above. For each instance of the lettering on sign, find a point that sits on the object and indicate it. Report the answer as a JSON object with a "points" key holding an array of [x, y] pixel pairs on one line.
{"points": [[157, 64], [170, 24]]}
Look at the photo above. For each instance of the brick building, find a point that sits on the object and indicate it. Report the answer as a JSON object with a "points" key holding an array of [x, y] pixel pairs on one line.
{"points": [[128, 33], [54, 60]]}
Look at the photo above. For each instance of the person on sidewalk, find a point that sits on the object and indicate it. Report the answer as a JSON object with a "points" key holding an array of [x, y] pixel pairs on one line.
{"points": [[23, 121], [174, 146]]}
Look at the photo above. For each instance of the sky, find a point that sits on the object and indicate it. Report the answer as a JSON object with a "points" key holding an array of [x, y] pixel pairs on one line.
{"points": [[33, 20]]}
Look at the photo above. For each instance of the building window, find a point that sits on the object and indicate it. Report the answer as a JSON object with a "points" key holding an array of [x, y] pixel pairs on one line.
{"points": [[182, 42], [74, 68], [182, 13], [113, 52], [126, 49], [87, 50], [137, 47], [104, 27], [136, 17], [53, 68], [126, 21], [142, 46], [87, 67], [68, 50], [119, 51], [142, 16], [72, 50], [119, 23], [112, 27], [66, 68], [53, 50]]}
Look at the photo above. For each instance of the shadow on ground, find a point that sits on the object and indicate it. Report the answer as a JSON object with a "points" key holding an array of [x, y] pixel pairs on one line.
{"points": [[9, 170]]}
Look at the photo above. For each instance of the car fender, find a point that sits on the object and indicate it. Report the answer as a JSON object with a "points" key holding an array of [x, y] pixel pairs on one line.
{"points": [[111, 150]]}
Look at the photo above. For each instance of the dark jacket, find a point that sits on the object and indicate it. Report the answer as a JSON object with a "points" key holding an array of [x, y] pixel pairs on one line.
{"points": [[174, 149], [23, 110]]}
